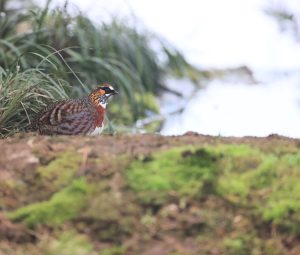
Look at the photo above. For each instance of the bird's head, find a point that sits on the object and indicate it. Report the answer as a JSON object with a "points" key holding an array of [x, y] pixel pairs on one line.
{"points": [[100, 95]]}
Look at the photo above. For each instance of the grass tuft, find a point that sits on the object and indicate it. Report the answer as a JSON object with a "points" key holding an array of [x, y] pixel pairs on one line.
{"points": [[23, 93]]}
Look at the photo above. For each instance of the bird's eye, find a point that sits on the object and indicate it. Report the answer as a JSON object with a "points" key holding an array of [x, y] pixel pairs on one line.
{"points": [[107, 89]]}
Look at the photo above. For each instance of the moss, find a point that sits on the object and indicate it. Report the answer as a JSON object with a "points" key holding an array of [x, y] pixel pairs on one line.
{"points": [[187, 172], [235, 246], [180, 253], [239, 180], [9, 186], [60, 171], [219, 193], [116, 250], [282, 205], [225, 169], [68, 243], [267, 183], [271, 187], [111, 213], [62, 206], [244, 244], [240, 165]]}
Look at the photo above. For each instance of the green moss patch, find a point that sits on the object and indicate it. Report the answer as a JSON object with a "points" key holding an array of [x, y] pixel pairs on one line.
{"points": [[60, 171], [271, 188], [184, 171], [111, 213], [67, 243], [62, 206], [116, 250], [283, 201], [267, 183]]}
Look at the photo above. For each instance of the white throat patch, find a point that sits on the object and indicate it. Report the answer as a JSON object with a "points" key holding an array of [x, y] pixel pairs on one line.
{"points": [[103, 104], [103, 101]]}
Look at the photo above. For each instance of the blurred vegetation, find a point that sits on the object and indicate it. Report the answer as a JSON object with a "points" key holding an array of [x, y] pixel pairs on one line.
{"points": [[53, 50], [286, 16]]}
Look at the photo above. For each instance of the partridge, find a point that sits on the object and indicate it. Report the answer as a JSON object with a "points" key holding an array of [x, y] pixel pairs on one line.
{"points": [[83, 116]]}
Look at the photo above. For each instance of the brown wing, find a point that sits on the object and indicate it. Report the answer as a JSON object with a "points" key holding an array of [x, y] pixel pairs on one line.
{"points": [[65, 117]]}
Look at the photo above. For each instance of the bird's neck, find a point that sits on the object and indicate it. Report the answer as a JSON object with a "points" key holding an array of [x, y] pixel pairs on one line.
{"points": [[98, 101], [100, 107], [100, 113]]}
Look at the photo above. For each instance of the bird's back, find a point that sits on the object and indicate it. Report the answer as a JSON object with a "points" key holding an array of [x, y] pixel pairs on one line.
{"points": [[66, 117]]}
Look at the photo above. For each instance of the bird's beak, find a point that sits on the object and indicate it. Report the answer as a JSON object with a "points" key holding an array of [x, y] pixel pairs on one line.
{"points": [[115, 92]]}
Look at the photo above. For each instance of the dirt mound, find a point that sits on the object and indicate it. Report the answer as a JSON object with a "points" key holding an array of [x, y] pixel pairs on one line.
{"points": [[149, 194]]}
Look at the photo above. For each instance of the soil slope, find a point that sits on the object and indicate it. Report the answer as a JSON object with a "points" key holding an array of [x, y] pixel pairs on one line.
{"points": [[149, 194]]}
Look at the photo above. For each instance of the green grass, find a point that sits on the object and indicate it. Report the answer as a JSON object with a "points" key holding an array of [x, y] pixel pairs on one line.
{"points": [[23, 93]]}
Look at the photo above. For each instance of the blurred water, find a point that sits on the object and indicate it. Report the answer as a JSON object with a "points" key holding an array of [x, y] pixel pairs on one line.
{"points": [[236, 109]]}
